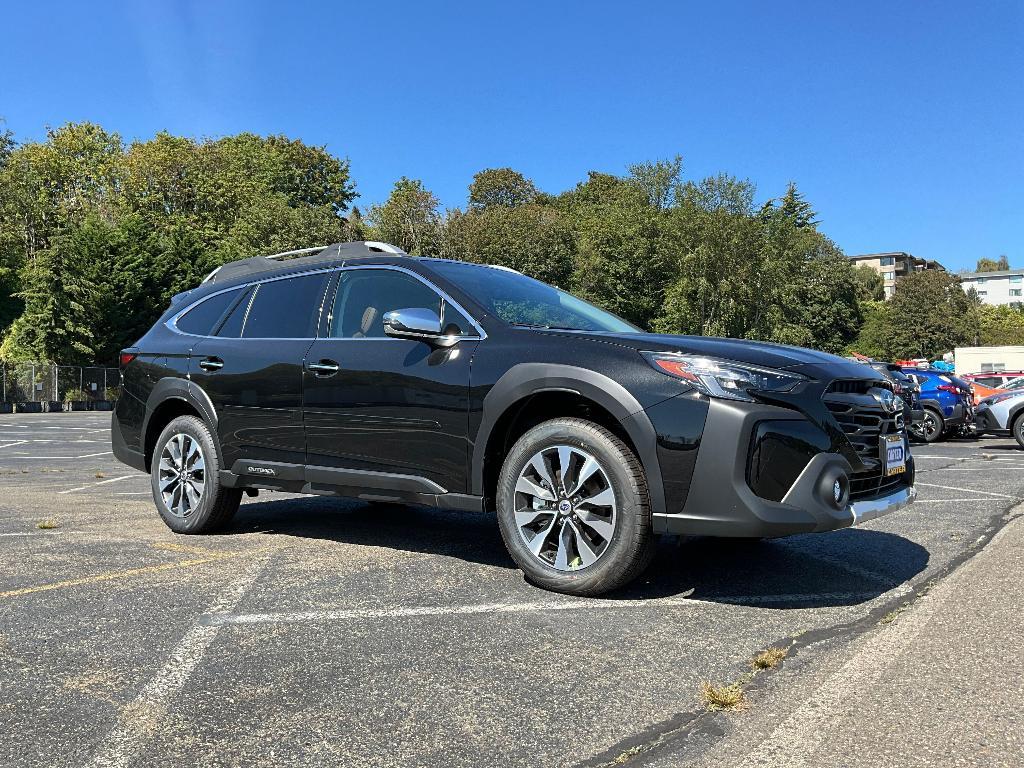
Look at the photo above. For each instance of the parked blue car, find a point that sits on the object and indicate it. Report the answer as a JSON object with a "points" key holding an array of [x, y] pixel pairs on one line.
{"points": [[948, 404]]}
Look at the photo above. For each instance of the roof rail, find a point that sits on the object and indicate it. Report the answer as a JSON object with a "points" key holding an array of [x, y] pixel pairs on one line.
{"points": [[303, 256], [293, 254]]}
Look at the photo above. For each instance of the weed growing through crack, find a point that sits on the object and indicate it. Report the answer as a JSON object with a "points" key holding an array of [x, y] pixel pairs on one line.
{"points": [[718, 698], [99, 475], [46, 525], [768, 659]]}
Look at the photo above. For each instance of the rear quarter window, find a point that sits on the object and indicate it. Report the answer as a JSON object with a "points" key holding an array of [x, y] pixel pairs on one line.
{"points": [[204, 317]]}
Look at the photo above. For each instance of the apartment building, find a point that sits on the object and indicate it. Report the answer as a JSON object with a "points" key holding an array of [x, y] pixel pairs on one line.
{"points": [[893, 265], [1005, 287]]}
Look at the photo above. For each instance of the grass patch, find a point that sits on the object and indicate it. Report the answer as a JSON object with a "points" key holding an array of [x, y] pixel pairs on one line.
{"points": [[98, 475], [768, 659], [719, 698], [628, 755], [46, 525]]}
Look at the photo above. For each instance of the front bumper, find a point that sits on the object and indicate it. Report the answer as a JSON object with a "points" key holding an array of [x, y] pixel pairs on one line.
{"points": [[721, 502], [872, 509]]}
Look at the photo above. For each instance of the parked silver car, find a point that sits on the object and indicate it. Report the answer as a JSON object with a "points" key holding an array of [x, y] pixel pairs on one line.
{"points": [[1002, 414]]}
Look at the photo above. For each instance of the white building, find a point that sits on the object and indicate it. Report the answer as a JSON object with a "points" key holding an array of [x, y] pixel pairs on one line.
{"points": [[1005, 287], [984, 359], [892, 265]]}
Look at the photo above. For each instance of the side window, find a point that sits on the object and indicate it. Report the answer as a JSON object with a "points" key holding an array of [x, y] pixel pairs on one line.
{"points": [[365, 295], [232, 327], [452, 316], [286, 309], [203, 318]]}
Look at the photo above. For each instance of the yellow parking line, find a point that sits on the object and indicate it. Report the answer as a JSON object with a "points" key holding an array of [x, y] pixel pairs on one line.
{"points": [[171, 546], [111, 575]]}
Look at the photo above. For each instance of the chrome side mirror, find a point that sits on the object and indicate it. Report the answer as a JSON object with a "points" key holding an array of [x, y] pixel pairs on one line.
{"points": [[420, 324]]}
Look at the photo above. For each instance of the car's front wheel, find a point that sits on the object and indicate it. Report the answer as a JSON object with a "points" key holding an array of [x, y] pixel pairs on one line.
{"points": [[1018, 429], [185, 479], [573, 508]]}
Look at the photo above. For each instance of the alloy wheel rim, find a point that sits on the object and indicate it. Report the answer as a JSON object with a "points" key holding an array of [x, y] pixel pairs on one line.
{"points": [[565, 508], [181, 475], [931, 426]]}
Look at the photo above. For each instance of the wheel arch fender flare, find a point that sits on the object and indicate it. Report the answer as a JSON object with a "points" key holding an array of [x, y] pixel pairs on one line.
{"points": [[527, 379], [1015, 411], [175, 388]]}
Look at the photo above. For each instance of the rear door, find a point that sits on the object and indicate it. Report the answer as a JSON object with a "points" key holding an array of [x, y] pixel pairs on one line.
{"points": [[252, 370], [376, 404]]}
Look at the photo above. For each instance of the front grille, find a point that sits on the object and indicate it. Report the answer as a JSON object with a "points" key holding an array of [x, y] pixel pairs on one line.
{"points": [[865, 422]]}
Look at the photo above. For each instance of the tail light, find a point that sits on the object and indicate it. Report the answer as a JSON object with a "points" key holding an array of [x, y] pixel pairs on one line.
{"points": [[126, 357], [949, 388]]}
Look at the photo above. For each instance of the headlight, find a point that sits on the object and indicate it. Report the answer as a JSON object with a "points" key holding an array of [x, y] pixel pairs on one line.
{"points": [[723, 378]]}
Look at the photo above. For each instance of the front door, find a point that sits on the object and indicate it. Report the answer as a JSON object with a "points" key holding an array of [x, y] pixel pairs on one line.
{"points": [[383, 405], [252, 370]]}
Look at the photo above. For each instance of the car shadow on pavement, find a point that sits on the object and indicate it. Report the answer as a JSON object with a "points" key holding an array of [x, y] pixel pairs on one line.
{"points": [[844, 567], [469, 536], [831, 569]]}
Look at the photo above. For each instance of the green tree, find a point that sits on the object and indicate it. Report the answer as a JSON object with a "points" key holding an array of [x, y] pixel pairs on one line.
{"points": [[999, 326], [875, 336], [500, 187], [532, 239], [409, 218], [993, 265], [870, 285], [622, 260], [931, 315], [79, 210]]}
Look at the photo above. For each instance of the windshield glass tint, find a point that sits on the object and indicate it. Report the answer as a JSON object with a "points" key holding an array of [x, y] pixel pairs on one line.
{"points": [[521, 300]]}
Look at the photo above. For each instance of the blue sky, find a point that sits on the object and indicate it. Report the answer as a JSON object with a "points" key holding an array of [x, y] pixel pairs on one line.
{"points": [[903, 123]]}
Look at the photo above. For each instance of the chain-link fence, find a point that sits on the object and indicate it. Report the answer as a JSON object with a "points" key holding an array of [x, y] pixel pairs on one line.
{"points": [[58, 384]]}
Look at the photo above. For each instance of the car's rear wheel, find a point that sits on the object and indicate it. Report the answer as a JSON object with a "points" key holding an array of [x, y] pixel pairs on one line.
{"points": [[1018, 429], [573, 508], [185, 479], [932, 426]]}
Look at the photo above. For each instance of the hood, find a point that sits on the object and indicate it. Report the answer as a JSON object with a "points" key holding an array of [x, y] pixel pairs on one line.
{"points": [[809, 362]]}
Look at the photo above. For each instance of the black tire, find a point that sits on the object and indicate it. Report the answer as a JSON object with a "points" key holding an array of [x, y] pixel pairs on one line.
{"points": [[1018, 429], [631, 545], [933, 428], [216, 505]]}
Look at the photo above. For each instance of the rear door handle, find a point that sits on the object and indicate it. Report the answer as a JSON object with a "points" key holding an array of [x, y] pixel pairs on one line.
{"points": [[324, 367], [211, 364]]}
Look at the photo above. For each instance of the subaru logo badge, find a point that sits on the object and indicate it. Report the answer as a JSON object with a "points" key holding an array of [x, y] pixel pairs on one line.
{"points": [[886, 399]]}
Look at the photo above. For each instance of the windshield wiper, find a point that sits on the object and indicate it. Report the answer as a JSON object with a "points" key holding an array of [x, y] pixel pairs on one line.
{"points": [[546, 327]]}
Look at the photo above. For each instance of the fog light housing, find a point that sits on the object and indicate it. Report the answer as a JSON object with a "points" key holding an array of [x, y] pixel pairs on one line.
{"points": [[834, 488]]}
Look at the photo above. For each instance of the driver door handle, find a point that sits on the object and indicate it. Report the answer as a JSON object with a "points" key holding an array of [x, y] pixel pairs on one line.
{"points": [[323, 367], [211, 364]]}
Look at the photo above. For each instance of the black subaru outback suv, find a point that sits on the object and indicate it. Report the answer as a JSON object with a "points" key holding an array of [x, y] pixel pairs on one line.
{"points": [[358, 371]]}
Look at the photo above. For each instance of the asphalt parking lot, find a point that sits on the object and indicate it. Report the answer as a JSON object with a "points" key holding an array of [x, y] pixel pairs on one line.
{"points": [[320, 631]]}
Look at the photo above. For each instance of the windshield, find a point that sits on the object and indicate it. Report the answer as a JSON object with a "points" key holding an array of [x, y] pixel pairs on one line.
{"points": [[1017, 383], [521, 300]]}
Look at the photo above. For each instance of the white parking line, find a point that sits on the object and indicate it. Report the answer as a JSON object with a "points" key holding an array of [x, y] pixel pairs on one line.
{"points": [[357, 614], [11, 445], [33, 456], [954, 501], [101, 482], [970, 490], [141, 719], [999, 467]]}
